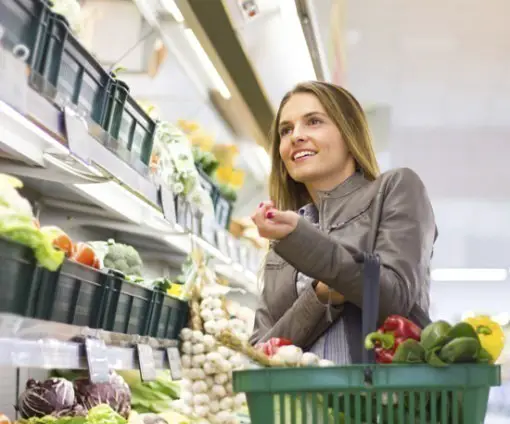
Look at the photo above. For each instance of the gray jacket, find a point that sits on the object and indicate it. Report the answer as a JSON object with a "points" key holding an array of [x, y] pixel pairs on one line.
{"points": [[391, 216]]}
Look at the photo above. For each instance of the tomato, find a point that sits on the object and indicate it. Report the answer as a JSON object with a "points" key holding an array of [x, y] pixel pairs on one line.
{"points": [[59, 239], [84, 254]]}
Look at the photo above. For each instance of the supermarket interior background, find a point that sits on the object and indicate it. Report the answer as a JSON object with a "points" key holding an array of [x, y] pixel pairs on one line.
{"points": [[432, 77]]}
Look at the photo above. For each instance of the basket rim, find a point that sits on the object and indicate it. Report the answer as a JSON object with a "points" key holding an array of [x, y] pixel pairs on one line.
{"points": [[351, 378]]}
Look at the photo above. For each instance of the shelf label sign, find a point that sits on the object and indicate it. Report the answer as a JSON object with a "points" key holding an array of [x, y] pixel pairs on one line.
{"points": [[78, 138], [13, 80], [174, 360], [167, 204], [146, 362], [97, 360]]}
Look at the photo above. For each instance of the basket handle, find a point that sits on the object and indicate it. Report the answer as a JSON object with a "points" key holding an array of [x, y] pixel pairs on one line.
{"points": [[371, 276]]}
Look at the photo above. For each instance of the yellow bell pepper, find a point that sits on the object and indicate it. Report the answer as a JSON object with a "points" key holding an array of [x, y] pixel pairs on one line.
{"points": [[490, 333]]}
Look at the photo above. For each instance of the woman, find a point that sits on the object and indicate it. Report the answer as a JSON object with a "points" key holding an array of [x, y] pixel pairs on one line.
{"points": [[325, 168]]}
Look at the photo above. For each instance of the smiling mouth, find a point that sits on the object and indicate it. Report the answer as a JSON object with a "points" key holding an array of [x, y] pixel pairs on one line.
{"points": [[304, 154]]}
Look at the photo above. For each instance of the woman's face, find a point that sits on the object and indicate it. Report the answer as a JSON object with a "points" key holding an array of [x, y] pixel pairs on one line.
{"points": [[311, 146]]}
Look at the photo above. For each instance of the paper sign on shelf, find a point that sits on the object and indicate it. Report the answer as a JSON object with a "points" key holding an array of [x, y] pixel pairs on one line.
{"points": [[13, 77], [78, 138], [97, 360], [167, 200], [146, 362]]}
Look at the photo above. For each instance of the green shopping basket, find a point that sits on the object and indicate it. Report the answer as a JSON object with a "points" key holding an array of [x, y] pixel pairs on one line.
{"points": [[369, 393]]}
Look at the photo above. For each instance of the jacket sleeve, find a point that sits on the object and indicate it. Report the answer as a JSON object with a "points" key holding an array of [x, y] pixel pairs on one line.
{"points": [[302, 323], [404, 243]]}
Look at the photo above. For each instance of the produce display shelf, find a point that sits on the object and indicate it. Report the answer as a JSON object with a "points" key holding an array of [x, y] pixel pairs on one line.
{"points": [[32, 343], [35, 138]]}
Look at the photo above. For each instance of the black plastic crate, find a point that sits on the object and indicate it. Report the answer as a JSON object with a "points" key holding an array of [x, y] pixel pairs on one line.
{"points": [[169, 316], [128, 308], [26, 22], [73, 72], [18, 278], [223, 211], [128, 123], [75, 294]]}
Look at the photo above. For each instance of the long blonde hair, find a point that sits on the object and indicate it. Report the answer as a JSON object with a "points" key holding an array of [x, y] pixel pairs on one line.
{"points": [[347, 114]]}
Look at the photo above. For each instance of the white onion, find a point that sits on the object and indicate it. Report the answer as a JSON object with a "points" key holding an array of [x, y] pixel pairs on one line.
{"points": [[214, 406], [209, 381], [226, 403], [186, 334], [326, 363], [229, 388], [196, 374], [186, 384], [197, 360], [198, 349], [218, 313], [211, 327], [239, 400], [224, 351], [186, 361], [291, 355], [186, 347], [197, 337], [201, 411], [223, 417], [309, 359], [209, 342], [216, 304], [209, 368], [214, 357], [218, 391], [225, 366], [207, 315], [199, 386], [221, 378], [201, 399]]}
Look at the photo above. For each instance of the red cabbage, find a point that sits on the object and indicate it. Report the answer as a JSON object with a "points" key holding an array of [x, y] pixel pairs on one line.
{"points": [[115, 393], [46, 398]]}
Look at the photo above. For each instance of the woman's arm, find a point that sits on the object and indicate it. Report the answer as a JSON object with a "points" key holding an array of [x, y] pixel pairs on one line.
{"points": [[302, 323], [405, 239]]}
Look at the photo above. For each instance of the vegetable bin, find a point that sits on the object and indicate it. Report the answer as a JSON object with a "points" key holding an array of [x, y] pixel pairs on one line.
{"points": [[169, 316], [128, 307], [75, 294], [71, 74], [369, 393], [18, 278], [129, 124], [26, 22]]}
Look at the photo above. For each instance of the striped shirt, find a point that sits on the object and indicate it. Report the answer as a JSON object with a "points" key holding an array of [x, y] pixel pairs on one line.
{"points": [[333, 343]]}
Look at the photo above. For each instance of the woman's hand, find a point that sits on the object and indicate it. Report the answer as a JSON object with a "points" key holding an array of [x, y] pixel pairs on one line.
{"points": [[323, 293], [272, 223]]}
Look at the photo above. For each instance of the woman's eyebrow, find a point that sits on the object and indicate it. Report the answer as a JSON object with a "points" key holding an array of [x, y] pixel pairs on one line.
{"points": [[306, 115]]}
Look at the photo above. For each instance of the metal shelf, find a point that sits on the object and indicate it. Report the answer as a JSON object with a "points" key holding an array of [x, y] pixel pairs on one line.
{"points": [[121, 197], [32, 343]]}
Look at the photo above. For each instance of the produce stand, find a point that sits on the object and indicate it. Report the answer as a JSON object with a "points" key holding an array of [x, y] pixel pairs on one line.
{"points": [[82, 152]]}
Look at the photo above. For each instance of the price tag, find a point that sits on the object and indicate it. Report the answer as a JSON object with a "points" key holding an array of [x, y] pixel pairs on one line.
{"points": [[222, 242], [97, 360], [208, 229], [13, 77], [174, 359], [146, 362], [167, 200], [77, 132]]}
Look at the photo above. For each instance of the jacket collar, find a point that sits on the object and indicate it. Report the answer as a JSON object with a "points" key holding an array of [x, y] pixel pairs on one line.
{"points": [[351, 184]]}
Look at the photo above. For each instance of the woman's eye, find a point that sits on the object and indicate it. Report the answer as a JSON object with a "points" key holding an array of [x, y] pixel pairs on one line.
{"points": [[315, 121], [284, 131]]}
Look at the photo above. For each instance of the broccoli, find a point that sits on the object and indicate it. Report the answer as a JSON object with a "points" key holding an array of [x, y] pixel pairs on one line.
{"points": [[123, 258]]}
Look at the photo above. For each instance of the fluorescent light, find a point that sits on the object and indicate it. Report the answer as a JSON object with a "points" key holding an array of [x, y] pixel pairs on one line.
{"points": [[469, 274], [173, 9], [207, 64], [295, 35]]}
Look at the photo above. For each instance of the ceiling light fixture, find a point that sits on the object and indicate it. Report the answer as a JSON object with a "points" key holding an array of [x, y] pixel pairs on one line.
{"points": [[469, 274], [207, 64]]}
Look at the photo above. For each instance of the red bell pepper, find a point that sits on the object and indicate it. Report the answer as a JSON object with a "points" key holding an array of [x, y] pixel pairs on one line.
{"points": [[272, 345], [391, 334]]}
